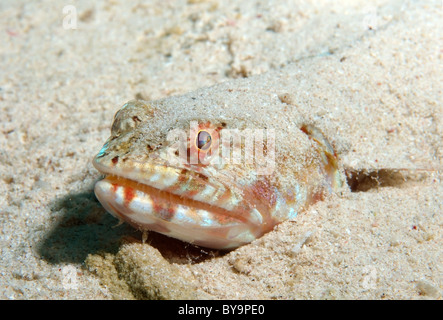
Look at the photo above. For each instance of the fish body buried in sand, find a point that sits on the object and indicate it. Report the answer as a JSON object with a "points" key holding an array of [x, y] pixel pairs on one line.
{"points": [[209, 173]]}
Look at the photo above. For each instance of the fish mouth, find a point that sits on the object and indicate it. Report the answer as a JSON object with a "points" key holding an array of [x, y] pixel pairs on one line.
{"points": [[147, 207], [131, 189]]}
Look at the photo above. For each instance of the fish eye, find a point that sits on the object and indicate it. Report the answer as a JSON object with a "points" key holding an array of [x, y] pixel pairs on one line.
{"points": [[203, 140]]}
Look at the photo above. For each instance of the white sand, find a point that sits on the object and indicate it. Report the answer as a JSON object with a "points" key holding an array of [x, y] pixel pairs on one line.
{"points": [[59, 89]]}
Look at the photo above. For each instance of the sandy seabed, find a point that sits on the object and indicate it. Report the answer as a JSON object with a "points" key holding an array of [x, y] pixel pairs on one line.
{"points": [[370, 75]]}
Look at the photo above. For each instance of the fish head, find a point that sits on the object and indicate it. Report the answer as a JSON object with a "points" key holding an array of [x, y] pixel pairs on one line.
{"points": [[195, 178]]}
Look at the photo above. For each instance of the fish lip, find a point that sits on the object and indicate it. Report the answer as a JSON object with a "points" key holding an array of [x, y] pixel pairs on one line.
{"points": [[247, 223], [187, 201], [163, 225], [123, 176], [246, 208], [130, 174]]}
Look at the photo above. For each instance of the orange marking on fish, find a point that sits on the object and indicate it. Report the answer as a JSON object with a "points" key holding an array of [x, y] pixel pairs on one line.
{"points": [[164, 210], [114, 187], [128, 194]]}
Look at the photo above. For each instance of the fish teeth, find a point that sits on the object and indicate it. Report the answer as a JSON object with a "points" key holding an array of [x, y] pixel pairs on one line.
{"points": [[255, 217]]}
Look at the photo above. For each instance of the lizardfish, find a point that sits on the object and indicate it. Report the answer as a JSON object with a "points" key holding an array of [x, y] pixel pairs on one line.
{"points": [[207, 172]]}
